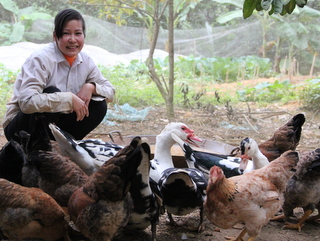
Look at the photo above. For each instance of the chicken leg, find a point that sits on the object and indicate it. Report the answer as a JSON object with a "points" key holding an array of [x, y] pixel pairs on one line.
{"points": [[301, 221], [240, 236]]}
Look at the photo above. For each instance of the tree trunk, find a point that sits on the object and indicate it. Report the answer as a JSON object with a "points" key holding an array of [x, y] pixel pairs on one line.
{"points": [[166, 90], [170, 106], [277, 58]]}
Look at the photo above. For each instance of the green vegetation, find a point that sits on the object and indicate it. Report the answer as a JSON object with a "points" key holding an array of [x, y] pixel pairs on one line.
{"points": [[196, 78], [22, 20], [195, 83], [134, 85], [310, 95], [7, 78], [279, 91]]}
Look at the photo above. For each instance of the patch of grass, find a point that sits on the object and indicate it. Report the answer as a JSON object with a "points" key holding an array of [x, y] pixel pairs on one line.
{"points": [[7, 78], [132, 85], [279, 91], [310, 95]]}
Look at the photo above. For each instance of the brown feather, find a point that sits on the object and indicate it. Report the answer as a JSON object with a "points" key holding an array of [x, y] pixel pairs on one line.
{"points": [[286, 137], [29, 213]]}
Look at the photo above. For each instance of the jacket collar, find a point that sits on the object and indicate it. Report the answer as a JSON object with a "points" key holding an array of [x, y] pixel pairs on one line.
{"points": [[60, 58]]}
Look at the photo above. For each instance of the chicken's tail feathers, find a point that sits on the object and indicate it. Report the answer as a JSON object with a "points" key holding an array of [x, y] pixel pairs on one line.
{"points": [[12, 170], [39, 137], [22, 137], [289, 159], [133, 154], [297, 122]]}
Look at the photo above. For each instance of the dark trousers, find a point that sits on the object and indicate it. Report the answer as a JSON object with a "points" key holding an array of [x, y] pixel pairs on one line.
{"points": [[67, 122]]}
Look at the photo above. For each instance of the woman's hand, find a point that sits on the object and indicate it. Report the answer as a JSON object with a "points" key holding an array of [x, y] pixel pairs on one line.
{"points": [[80, 107], [86, 92], [82, 99]]}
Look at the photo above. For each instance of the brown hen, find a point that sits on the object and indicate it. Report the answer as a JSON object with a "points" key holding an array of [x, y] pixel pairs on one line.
{"points": [[252, 198], [103, 205], [34, 143], [59, 176], [29, 213], [303, 189], [287, 137]]}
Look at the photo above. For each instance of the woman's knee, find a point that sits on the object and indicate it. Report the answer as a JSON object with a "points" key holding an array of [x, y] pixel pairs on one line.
{"points": [[98, 108], [51, 89]]}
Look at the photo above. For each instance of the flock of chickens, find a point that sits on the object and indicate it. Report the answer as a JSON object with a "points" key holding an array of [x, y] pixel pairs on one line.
{"points": [[57, 190]]}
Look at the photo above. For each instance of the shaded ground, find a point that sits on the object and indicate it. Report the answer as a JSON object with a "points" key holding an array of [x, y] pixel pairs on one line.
{"points": [[228, 127]]}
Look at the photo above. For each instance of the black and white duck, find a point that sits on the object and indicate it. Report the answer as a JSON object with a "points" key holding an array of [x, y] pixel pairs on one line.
{"points": [[182, 189], [89, 154]]}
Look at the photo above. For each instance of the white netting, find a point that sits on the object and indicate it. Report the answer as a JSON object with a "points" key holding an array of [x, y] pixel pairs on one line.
{"points": [[207, 42], [123, 42]]}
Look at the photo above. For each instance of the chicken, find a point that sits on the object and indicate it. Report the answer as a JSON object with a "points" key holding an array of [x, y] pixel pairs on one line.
{"points": [[59, 176], [12, 160], [252, 198], [29, 213], [103, 204], [287, 137], [250, 150], [303, 189], [147, 201], [38, 140], [46, 169]]}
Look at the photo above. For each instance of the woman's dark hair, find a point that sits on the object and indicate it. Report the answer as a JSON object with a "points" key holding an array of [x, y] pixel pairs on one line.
{"points": [[65, 16]]}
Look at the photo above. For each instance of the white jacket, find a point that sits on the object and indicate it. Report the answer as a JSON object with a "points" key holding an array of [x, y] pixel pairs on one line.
{"points": [[48, 67]]}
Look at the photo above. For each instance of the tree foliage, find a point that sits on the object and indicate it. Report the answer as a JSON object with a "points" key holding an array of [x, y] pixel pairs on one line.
{"points": [[281, 7], [21, 20]]}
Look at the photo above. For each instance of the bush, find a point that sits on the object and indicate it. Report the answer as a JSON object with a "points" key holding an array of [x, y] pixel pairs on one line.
{"points": [[310, 95], [7, 78], [269, 92]]}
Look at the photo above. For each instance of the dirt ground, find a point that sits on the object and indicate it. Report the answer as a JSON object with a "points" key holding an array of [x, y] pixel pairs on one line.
{"points": [[227, 127]]}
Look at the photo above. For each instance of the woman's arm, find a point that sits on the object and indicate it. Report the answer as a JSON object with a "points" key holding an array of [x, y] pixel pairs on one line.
{"points": [[103, 87], [29, 87]]}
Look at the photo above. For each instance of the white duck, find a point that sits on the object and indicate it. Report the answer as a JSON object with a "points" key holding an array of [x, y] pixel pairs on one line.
{"points": [[250, 150]]}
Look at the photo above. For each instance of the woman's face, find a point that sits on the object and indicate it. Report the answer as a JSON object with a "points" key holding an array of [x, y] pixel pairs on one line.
{"points": [[72, 39]]}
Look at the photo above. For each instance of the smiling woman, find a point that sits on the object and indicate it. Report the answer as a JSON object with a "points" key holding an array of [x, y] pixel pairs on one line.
{"points": [[70, 39], [60, 82]]}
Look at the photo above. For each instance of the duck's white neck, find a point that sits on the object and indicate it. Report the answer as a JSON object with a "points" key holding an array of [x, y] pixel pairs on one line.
{"points": [[162, 152], [259, 160]]}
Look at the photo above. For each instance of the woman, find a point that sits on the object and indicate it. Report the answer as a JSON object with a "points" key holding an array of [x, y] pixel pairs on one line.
{"points": [[60, 82]]}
